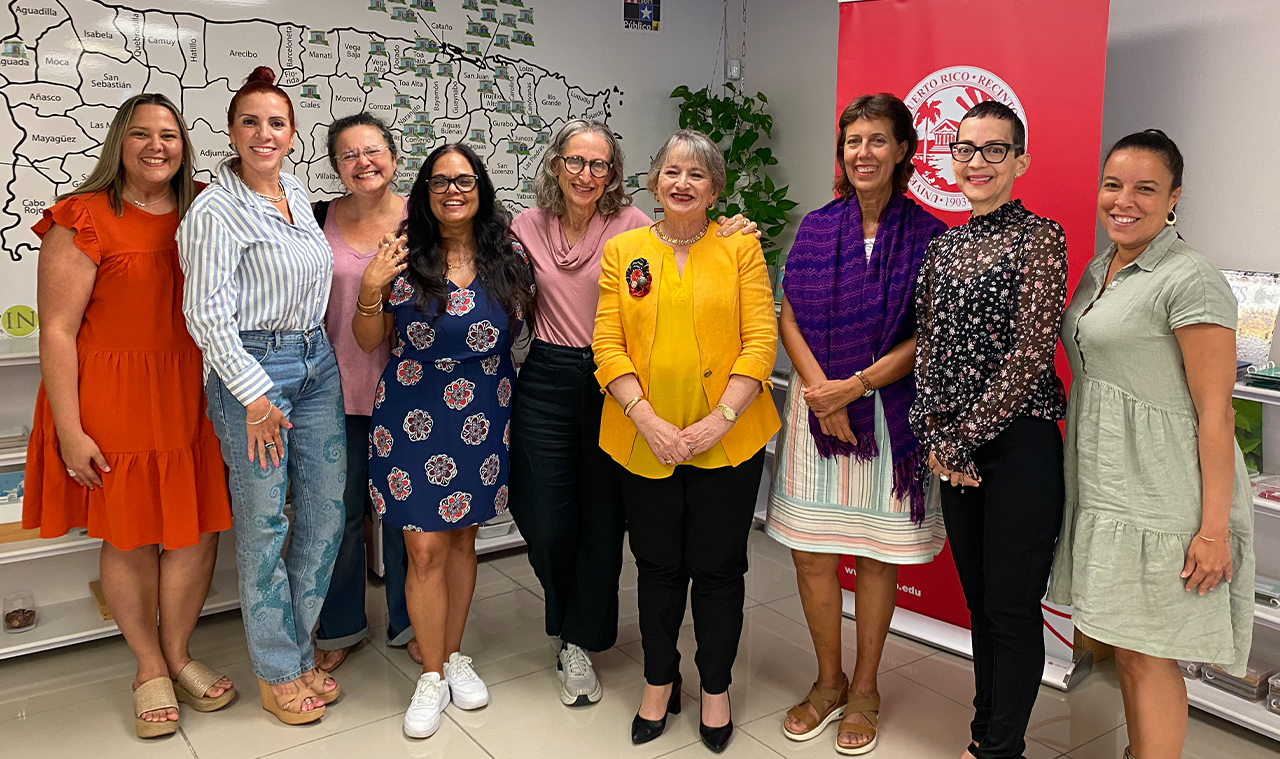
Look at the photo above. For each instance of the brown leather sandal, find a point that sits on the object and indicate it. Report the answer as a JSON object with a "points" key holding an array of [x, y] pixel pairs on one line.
{"points": [[869, 708], [827, 703], [289, 709], [194, 681], [327, 696], [154, 695]]}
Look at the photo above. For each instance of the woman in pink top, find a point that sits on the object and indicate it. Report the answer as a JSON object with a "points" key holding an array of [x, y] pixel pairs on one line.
{"points": [[362, 151], [565, 493]]}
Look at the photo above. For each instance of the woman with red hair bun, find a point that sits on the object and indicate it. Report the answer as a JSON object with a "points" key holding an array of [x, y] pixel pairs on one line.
{"points": [[258, 271]]}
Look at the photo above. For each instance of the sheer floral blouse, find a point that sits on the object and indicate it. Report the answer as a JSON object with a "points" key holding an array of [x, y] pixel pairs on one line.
{"points": [[989, 304]]}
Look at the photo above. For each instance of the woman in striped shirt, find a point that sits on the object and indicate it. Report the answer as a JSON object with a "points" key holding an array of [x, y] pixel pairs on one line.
{"points": [[258, 271]]}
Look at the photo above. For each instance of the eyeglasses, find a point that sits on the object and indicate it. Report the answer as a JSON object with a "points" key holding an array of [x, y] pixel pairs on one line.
{"points": [[372, 151], [576, 163], [439, 184], [992, 152]]}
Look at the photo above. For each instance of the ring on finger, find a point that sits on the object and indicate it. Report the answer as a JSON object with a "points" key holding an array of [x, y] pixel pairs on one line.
{"points": [[269, 446]]}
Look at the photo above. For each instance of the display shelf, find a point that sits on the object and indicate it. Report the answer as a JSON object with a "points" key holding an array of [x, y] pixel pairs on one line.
{"points": [[12, 457], [1262, 395], [26, 550], [78, 620], [512, 539], [1264, 614], [19, 351], [1266, 506], [1250, 714]]}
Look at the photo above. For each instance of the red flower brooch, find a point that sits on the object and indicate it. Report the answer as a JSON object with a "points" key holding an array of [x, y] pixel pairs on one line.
{"points": [[638, 278]]}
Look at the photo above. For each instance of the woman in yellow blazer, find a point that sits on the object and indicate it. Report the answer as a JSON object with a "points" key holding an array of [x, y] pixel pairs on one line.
{"points": [[685, 339]]}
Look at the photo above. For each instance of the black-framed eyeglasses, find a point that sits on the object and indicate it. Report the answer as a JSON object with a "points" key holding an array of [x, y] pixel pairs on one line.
{"points": [[372, 151], [574, 164], [439, 184], [992, 152]]}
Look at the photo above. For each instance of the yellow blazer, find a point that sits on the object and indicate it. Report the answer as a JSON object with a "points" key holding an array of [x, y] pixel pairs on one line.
{"points": [[733, 321]]}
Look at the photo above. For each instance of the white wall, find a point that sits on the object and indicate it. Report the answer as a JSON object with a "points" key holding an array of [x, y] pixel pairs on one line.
{"points": [[1202, 72]]}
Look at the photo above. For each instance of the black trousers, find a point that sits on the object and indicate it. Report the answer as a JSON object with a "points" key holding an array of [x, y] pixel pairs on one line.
{"points": [[692, 525], [1002, 537], [565, 494]]}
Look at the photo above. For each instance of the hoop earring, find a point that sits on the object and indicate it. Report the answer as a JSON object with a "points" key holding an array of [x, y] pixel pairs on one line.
{"points": [[1171, 219]]}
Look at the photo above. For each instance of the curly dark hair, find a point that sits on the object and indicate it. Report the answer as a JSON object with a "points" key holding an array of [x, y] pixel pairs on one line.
{"points": [[499, 267]]}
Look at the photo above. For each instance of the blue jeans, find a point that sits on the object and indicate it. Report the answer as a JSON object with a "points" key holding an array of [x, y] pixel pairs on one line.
{"points": [[281, 597], [342, 620]]}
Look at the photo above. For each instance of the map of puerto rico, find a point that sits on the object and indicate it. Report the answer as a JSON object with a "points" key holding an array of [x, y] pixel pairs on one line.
{"points": [[459, 73]]}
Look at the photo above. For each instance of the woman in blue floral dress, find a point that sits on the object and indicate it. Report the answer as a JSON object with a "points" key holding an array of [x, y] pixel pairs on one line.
{"points": [[453, 295]]}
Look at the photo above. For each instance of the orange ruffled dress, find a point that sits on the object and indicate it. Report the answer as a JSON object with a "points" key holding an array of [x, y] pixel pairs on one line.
{"points": [[141, 395]]}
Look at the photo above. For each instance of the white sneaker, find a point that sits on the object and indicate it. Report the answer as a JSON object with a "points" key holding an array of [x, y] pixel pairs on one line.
{"points": [[578, 683], [429, 700], [465, 687]]}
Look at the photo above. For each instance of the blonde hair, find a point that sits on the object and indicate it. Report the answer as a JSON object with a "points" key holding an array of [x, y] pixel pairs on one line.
{"points": [[546, 186], [108, 174]]}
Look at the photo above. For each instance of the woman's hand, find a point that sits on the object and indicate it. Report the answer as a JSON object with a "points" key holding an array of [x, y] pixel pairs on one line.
{"points": [[79, 455], [955, 478], [1207, 563], [828, 396], [264, 438], [738, 223], [662, 436], [836, 424], [702, 435], [388, 262]]}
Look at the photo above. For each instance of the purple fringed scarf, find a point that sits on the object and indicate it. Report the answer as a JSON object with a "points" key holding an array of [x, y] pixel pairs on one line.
{"points": [[852, 311]]}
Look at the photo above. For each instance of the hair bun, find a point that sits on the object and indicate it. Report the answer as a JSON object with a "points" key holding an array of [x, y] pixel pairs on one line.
{"points": [[261, 74], [1156, 131]]}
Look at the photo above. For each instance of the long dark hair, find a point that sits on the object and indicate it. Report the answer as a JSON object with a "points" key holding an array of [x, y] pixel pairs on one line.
{"points": [[499, 267]]}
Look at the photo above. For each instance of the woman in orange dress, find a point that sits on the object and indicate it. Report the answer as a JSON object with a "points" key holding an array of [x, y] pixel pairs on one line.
{"points": [[120, 443]]}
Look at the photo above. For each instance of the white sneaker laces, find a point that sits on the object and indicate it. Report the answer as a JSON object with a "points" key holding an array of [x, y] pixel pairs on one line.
{"points": [[579, 664], [461, 670], [428, 692]]}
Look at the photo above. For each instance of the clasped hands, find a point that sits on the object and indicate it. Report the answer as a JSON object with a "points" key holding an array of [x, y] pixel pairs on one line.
{"points": [[672, 445], [829, 401]]}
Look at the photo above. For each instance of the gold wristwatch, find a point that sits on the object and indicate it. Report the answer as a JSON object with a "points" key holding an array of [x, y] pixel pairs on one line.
{"points": [[729, 414]]}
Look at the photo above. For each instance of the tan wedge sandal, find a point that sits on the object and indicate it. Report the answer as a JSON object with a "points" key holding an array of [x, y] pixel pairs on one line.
{"points": [[327, 696], [153, 696], [194, 681], [289, 710], [869, 708], [827, 703]]}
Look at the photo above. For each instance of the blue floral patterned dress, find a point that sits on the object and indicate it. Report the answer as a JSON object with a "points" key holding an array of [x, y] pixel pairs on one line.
{"points": [[441, 428]]}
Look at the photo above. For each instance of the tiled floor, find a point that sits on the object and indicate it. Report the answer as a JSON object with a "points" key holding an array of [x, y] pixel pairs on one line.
{"points": [[75, 702]]}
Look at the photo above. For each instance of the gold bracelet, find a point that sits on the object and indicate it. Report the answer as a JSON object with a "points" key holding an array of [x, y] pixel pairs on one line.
{"points": [[265, 418], [377, 305], [368, 313], [1211, 540], [866, 383], [626, 410]]}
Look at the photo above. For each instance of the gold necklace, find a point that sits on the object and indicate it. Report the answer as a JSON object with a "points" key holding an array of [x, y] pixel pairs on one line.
{"points": [[140, 204], [673, 242], [272, 198]]}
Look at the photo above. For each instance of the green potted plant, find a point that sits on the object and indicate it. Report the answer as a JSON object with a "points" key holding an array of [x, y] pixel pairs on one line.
{"points": [[735, 122]]}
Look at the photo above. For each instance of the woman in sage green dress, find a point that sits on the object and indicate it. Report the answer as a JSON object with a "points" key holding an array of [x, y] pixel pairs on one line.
{"points": [[1156, 553]]}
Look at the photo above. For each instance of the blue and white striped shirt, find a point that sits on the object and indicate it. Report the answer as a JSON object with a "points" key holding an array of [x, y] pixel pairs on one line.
{"points": [[247, 269]]}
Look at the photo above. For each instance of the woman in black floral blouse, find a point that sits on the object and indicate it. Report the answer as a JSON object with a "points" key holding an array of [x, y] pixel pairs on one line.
{"points": [[990, 302]]}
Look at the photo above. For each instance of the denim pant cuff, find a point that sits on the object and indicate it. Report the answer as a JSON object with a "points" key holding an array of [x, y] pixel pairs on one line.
{"points": [[280, 680], [402, 639], [346, 641]]}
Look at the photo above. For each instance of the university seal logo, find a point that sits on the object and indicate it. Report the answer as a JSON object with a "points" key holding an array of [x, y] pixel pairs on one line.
{"points": [[937, 104]]}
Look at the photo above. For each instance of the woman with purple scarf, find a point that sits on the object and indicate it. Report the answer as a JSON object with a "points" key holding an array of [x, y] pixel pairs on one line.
{"points": [[849, 474]]}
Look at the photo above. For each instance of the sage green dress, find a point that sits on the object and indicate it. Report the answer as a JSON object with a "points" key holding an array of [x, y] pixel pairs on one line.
{"points": [[1133, 467]]}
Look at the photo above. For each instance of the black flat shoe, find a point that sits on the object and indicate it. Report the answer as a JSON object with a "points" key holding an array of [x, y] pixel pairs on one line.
{"points": [[644, 730], [715, 738]]}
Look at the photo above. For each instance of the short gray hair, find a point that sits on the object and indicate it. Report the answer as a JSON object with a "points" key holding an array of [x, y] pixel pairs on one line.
{"points": [[546, 187], [703, 150]]}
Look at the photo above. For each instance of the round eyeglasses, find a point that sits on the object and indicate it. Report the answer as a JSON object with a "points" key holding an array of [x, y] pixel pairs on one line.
{"points": [[372, 151], [992, 152], [575, 163], [439, 184]]}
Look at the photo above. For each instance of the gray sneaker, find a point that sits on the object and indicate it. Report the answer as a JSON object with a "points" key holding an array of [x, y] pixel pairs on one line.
{"points": [[578, 683]]}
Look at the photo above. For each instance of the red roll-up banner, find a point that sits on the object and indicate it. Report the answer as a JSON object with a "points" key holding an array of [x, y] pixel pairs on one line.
{"points": [[1046, 61]]}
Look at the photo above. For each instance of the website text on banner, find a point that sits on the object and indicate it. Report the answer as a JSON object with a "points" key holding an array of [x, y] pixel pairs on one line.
{"points": [[1046, 61]]}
